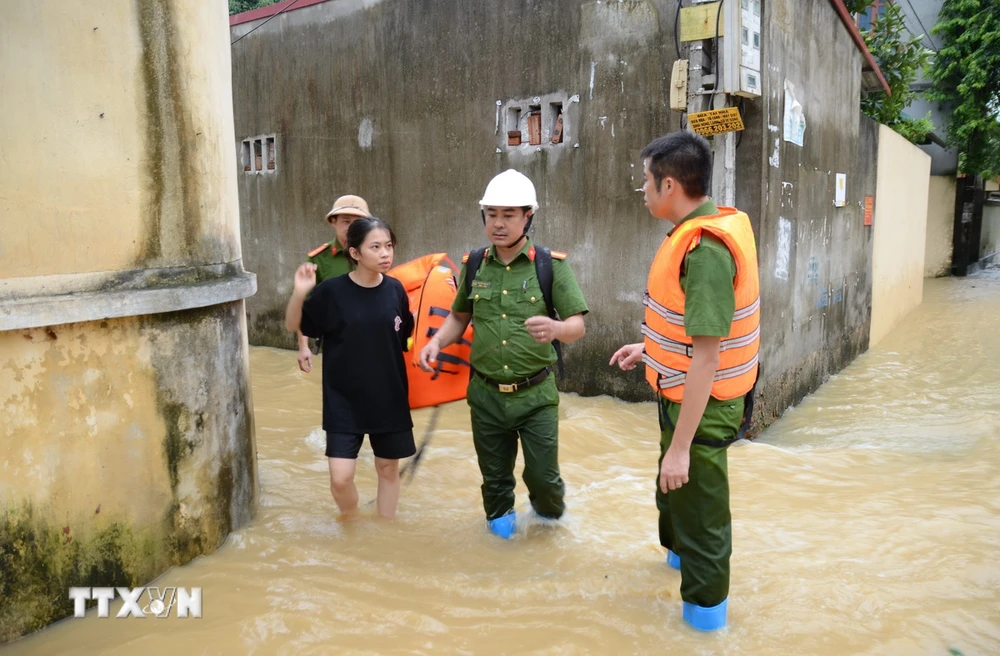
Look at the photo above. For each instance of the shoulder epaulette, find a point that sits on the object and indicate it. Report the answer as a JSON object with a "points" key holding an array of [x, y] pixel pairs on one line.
{"points": [[319, 249], [465, 258], [559, 255]]}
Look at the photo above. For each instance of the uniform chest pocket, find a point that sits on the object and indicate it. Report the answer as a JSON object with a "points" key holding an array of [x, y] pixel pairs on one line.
{"points": [[531, 296], [529, 300], [481, 294]]}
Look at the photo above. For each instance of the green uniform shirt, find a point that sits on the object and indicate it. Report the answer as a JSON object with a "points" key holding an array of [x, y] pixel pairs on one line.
{"points": [[503, 297], [331, 262], [707, 280], [709, 303]]}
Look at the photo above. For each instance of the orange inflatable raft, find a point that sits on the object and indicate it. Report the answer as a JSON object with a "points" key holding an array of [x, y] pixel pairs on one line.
{"points": [[426, 282]]}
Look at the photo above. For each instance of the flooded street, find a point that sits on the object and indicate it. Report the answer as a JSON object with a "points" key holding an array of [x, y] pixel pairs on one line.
{"points": [[866, 521]]}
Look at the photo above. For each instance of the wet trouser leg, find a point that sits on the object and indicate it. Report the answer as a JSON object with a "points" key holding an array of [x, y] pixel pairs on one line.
{"points": [[496, 448], [695, 522], [538, 422], [497, 421]]}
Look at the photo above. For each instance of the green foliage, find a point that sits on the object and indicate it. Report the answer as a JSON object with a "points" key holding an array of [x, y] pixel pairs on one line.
{"points": [[966, 75], [239, 6], [901, 57], [915, 129]]}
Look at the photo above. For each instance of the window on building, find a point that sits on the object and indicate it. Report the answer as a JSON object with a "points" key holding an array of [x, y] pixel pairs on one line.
{"points": [[556, 113], [534, 124], [259, 154], [872, 14], [541, 122]]}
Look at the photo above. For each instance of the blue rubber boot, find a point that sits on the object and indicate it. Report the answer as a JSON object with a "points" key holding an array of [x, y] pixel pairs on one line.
{"points": [[706, 619], [673, 559], [505, 526]]}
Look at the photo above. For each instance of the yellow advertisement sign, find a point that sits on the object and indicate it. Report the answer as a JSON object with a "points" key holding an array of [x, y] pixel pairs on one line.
{"points": [[716, 121], [698, 22]]}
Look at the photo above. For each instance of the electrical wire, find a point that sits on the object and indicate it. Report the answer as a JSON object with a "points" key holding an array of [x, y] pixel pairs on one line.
{"points": [[927, 34], [677, 20], [276, 14], [741, 108], [715, 55]]}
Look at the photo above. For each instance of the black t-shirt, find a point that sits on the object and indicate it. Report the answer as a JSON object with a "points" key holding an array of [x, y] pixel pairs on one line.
{"points": [[364, 331]]}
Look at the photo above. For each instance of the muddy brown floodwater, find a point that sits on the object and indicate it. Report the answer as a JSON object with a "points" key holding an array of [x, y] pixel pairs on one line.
{"points": [[866, 521]]}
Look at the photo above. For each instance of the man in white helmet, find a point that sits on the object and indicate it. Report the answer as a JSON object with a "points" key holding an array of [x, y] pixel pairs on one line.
{"points": [[524, 299]]}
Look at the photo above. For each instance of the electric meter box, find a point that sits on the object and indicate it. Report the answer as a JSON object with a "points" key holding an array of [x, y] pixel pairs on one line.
{"points": [[741, 48]]}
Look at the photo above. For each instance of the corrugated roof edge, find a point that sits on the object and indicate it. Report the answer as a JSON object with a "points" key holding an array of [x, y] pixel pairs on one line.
{"points": [[268, 11]]}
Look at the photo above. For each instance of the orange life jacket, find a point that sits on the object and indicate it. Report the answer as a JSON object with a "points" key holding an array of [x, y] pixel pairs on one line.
{"points": [[667, 352], [426, 282]]}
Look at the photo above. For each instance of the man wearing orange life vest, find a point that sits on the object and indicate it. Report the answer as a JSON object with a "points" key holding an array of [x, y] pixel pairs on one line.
{"points": [[702, 333]]}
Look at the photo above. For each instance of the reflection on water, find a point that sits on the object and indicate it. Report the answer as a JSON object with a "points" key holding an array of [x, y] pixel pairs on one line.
{"points": [[866, 521]]}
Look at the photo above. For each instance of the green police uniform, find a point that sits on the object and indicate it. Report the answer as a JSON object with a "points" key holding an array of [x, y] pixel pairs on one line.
{"points": [[695, 522], [331, 261], [502, 297]]}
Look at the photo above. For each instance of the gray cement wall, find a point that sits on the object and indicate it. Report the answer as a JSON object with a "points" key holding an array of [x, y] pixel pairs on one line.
{"points": [[400, 105], [815, 259]]}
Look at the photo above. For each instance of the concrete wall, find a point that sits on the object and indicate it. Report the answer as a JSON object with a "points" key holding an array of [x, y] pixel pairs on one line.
{"points": [[815, 258], [940, 226], [398, 102], [127, 442], [415, 128], [900, 231], [989, 241]]}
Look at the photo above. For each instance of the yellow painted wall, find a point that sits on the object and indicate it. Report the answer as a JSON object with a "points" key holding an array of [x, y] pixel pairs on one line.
{"points": [[939, 244], [126, 444], [900, 224], [989, 241], [118, 149], [126, 447]]}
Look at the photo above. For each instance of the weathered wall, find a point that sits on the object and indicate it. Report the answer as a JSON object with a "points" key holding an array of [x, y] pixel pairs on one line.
{"points": [[415, 128], [397, 102], [989, 241], [900, 231], [115, 162], [127, 448], [815, 259], [127, 442], [940, 226]]}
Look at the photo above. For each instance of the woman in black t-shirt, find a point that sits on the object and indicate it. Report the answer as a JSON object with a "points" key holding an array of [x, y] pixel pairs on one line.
{"points": [[364, 319]]}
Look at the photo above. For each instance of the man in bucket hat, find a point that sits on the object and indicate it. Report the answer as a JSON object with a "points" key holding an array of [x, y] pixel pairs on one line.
{"points": [[331, 258]]}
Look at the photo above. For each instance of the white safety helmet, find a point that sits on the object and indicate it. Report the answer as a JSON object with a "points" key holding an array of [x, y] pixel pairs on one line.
{"points": [[509, 189]]}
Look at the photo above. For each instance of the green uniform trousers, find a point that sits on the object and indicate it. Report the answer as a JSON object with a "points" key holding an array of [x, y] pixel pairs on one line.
{"points": [[694, 519], [498, 420]]}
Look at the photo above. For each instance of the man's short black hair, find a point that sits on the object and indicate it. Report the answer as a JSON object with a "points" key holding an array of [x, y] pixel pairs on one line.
{"points": [[683, 156]]}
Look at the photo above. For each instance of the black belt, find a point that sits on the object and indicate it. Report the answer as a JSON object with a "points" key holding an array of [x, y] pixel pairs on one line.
{"points": [[508, 388]]}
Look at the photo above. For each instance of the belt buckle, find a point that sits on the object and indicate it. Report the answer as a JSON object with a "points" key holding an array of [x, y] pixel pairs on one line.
{"points": [[506, 389]]}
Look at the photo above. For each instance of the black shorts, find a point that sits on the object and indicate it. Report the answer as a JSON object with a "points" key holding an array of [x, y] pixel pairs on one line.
{"points": [[389, 446]]}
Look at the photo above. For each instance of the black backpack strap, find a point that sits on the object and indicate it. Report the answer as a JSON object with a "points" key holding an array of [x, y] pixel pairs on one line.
{"points": [[543, 269], [472, 267]]}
